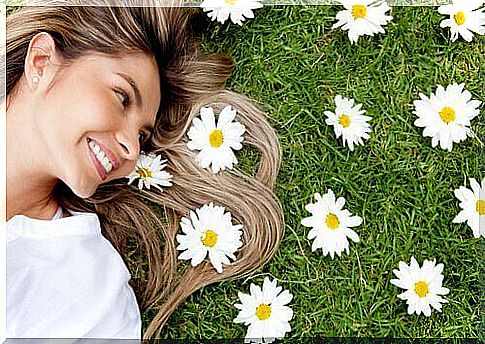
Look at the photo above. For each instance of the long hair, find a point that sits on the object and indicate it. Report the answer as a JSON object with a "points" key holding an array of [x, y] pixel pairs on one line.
{"points": [[142, 224]]}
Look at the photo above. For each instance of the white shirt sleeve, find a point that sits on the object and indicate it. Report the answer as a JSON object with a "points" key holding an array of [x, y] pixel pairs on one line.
{"points": [[68, 286]]}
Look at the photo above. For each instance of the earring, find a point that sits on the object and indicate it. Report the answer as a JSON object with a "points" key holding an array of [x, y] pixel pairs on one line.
{"points": [[35, 79]]}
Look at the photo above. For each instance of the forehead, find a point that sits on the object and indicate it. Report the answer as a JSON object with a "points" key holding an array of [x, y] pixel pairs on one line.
{"points": [[141, 69]]}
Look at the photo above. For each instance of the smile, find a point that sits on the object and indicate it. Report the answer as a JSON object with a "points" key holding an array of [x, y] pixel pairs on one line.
{"points": [[101, 156], [101, 159]]}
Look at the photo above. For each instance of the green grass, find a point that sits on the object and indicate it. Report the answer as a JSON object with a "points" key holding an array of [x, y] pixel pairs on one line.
{"points": [[290, 60]]}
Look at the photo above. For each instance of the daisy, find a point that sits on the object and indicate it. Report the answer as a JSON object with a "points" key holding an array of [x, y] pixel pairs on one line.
{"points": [[330, 224], [446, 115], [149, 170], [349, 122], [216, 142], [465, 17], [423, 286], [362, 17], [209, 231], [472, 203], [238, 10], [265, 312]]}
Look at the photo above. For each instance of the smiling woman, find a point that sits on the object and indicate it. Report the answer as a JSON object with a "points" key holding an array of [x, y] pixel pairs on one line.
{"points": [[88, 88]]}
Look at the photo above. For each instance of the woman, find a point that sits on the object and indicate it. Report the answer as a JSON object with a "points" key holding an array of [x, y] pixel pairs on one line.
{"points": [[124, 79]]}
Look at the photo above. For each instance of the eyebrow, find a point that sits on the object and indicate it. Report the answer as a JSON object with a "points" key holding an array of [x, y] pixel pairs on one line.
{"points": [[138, 97]]}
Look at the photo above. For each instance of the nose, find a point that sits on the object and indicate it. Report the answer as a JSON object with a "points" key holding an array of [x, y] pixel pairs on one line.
{"points": [[130, 146]]}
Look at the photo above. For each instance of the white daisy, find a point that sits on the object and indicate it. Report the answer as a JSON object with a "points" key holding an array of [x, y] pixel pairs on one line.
{"points": [[465, 17], [349, 122], [330, 224], [265, 312], [362, 17], [472, 203], [149, 170], [209, 231], [238, 10], [424, 285], [446, 115], [216, 142]]}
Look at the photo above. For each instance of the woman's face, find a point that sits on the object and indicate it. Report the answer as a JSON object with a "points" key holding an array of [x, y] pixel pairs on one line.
{"points": [[98, 103]]}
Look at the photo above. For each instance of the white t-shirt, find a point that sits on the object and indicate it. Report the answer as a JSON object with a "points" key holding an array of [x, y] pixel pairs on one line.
{"points": [[65, 280]]}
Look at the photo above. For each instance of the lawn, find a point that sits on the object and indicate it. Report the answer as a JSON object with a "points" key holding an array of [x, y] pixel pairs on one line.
{"points": [[293, 64]]}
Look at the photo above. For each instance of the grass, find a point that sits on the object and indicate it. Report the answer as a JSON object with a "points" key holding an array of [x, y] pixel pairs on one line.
{"points": [[290, 61]]}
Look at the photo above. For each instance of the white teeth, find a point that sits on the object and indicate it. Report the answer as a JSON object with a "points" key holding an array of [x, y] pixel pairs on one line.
{"points": [[95, 148], [106, 164], [101, 156]]}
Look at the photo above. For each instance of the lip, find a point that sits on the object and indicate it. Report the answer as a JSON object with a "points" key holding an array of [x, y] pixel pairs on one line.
{"points": [[99, 168], [109, 154]]}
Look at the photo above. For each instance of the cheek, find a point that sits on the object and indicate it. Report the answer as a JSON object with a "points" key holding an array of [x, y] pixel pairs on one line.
{"points": [[91, 112], [126, 168]]}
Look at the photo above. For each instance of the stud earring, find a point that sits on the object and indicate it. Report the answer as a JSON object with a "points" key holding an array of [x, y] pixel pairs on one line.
{"points": [[35, 79]]}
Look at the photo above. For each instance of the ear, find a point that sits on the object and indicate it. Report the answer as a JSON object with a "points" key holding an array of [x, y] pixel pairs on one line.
{"points": [[42, 56]]}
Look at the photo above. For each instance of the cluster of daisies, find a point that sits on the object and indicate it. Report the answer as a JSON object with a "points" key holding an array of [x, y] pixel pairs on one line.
{"points": [[445, 115], [363, 17], [209, 230], [208, 233]]}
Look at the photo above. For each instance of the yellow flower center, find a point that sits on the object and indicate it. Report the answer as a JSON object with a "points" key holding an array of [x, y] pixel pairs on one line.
{"points": [[210, 238], [421, 288], [447, 114], [144, 172], [263, 311], [459, 18], [332, 221], [344, 120], [359, 11], [480, 207], [216, 138], [231, 2]]}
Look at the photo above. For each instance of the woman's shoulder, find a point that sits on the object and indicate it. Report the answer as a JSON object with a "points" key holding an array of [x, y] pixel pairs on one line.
{"points": [[78, 224], [73, 247], [69, 286]]}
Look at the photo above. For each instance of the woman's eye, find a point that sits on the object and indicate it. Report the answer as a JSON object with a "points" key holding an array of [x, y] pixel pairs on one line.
{"points": [[142, 137], [123, 96]]}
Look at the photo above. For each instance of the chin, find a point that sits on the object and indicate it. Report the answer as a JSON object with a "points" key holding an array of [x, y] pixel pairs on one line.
{"points": [[83, 194], [83, 191]]}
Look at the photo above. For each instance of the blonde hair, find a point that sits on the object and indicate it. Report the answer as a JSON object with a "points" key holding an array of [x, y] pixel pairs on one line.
{"points": [[189, 81]]}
